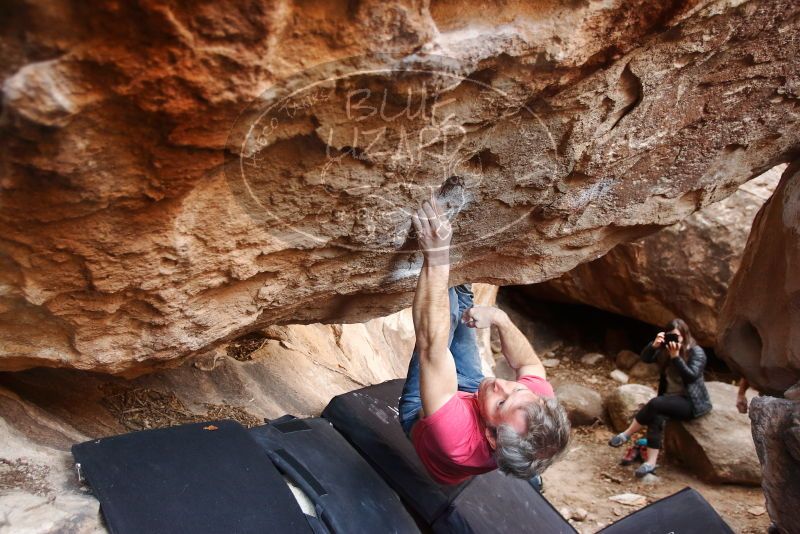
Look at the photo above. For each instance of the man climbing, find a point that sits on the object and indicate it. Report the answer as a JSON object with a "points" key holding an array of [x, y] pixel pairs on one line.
{"points": [[460, 423]]}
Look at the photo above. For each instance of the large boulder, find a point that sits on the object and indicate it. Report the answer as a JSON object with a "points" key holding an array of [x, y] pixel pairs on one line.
{"points": [[584, 405], [776, 433], [681, 271], [623, 403], [717, 446], [759, 325], [177, 175]]}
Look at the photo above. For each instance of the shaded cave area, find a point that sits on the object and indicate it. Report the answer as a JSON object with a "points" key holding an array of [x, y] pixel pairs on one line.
{"points": [[570, 330]]}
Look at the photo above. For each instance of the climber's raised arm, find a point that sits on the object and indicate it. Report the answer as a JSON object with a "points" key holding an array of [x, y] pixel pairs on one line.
{"points": [[431, 309], [515, 346]]}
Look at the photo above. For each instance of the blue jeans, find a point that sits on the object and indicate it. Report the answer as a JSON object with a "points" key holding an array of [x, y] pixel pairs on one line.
{"points": [[464, 347]]}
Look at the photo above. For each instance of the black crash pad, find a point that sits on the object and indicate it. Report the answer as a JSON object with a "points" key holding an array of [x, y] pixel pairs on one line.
{"points": [[368, 418], [494, 502], [491, 502], [348, 495], [685, 512], [187, 479]]}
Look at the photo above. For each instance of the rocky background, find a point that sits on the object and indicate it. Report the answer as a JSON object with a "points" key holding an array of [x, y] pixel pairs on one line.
{"points": [[204, 212], [759, 331], [683, 270]]}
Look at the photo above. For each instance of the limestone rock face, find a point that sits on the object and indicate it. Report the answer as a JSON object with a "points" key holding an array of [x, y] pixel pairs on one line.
{"points": [[717, 446], [177, 175], [776, 425], [759, 329], [40, 491], [682, 271]]}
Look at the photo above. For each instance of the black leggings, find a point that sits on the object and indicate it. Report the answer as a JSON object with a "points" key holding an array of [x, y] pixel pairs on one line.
{"points": [[654, 415]]}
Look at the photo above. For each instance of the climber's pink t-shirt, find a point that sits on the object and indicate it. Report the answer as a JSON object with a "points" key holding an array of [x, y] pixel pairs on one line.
{"points": [[451, 442]]}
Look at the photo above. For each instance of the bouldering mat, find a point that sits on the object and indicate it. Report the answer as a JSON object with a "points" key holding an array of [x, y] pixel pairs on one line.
{"points": [[197, 478], [349, 496]]}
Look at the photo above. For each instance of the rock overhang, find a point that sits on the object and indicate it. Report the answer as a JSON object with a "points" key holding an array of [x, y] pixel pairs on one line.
{"points": [[127, 247]]}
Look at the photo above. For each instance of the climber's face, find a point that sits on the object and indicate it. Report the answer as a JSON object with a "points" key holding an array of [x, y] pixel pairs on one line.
{"points": [[502, 402]]}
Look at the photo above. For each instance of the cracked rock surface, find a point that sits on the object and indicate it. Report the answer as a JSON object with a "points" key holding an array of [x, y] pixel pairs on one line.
{"points": [[776, 426], [177, 175], [759, 324], [682, 271]]}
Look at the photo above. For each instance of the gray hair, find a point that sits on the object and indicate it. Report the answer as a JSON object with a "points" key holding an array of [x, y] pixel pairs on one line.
{"points": [[544, 440]]}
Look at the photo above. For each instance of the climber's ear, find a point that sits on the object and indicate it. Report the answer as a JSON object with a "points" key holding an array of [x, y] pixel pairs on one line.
{"points": [[491, 436]]}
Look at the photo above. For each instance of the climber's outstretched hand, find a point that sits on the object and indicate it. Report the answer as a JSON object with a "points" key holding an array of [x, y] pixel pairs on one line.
{"points": [[482, 316], [433, 232]]}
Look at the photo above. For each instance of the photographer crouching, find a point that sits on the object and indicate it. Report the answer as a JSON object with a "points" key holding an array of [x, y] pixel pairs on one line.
{"points": [[682, 393]]}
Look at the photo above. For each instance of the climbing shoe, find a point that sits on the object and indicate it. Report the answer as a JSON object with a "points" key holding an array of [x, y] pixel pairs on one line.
{"points": [[633, 454], [618, 440], [645, 469]]}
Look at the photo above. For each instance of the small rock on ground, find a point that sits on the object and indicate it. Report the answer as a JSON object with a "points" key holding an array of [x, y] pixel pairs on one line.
{"points": [[592, 358], [551, 362], [626, 359], [629, 499], [579, 514], [619, 376], [650, 479]]}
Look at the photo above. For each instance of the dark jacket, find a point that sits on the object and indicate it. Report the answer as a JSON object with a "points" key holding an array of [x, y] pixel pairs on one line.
{"points": [[691, 372]]}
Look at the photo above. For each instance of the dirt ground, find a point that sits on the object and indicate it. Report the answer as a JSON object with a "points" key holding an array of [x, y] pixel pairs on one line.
{"points": [[590, 472], [139, 408]]}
